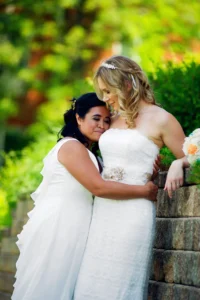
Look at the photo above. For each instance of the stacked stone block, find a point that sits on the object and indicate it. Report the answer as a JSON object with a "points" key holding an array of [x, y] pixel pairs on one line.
{"points": [[176, 258], [9, 251]]}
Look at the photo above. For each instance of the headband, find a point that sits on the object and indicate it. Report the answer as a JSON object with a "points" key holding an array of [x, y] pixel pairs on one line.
{"points": [[110, 66]]}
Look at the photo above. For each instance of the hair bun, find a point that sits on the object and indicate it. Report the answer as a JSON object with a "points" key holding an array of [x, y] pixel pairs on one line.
{"points": [[69, 116]]}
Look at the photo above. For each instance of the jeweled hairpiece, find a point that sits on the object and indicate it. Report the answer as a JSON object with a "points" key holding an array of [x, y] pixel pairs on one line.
{"points": [[133, 79], [73, 104], [108, 66]]}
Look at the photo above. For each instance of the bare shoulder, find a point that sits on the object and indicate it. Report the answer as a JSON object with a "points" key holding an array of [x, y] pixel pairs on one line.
{"points": [[70, 150], [163, 117], [171, 132]]}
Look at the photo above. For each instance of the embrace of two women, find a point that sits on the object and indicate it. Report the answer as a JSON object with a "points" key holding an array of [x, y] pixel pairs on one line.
{"points": [[79, 247]]}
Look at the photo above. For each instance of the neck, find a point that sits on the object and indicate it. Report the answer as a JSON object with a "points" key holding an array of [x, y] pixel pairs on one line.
{"points": [[143, 106], [90, 143]]}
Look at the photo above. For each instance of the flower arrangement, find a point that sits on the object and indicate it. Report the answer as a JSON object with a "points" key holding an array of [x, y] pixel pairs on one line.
{"points": [[191, 146]]}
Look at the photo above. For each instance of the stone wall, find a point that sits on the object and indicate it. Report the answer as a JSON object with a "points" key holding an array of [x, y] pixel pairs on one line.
{"points": [[176, 258], [9, 251]]}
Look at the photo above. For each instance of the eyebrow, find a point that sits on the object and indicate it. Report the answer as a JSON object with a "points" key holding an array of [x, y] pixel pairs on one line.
{"points": [[98, 115]]}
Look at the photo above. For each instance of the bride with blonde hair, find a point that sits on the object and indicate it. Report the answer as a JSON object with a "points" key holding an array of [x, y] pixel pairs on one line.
{"points": [[117, 259]]}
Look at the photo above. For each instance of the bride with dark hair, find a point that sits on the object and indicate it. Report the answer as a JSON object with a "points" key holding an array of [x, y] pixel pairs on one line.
{"points": [[53, 241]]}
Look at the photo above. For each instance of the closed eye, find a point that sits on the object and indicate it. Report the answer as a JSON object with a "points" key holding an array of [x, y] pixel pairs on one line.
{"points": [[107, 121], [106, 91]]}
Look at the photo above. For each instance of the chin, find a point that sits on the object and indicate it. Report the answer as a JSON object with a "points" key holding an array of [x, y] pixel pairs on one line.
{"points": [[96, 139], [116, 108]]}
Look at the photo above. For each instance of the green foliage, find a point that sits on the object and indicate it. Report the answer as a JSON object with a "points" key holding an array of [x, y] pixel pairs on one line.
{"points": [[50, 114], [5, 217], [16, 139], [68, 35], [49, 45], [20, 175], [194, 176], [7, 108], [177, 89], [167, 158]]}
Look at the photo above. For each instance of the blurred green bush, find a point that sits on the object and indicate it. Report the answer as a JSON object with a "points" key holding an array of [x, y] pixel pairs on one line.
{"points": [[21, 173], [194, 176], [167, 158], [176, 88], [5, 216], [15, 139]]}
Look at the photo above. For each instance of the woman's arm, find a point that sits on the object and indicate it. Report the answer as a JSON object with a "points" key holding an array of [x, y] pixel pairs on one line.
{"points": [[173, 137], [74, 156], [175, 175]]}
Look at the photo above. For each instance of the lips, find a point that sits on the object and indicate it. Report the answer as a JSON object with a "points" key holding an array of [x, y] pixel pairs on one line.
{"points": [[99, 131]]}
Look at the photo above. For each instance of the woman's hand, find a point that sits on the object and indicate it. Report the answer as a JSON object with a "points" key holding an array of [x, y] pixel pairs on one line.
{"points": [[156, 167], [151, 191], [174, 177]]}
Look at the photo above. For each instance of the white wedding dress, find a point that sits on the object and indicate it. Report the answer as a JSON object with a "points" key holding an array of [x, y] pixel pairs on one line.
{"points": [[53, 241], [118, 254]]}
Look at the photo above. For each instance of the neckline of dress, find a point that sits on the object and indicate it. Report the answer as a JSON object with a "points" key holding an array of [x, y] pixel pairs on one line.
{"points": [[136, 130]]}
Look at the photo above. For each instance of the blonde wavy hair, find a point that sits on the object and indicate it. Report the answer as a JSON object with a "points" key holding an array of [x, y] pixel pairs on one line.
{"points": [[125, 78]]}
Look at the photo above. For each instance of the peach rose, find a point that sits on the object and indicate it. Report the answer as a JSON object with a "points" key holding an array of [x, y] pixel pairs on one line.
{"points": [[192, 149]]}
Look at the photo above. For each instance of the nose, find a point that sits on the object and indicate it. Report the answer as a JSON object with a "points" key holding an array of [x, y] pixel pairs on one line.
{"points": [[105, 98], [101, 124]]}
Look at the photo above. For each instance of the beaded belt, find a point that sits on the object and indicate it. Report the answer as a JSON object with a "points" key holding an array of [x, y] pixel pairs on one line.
{"points": [[118, 174]]}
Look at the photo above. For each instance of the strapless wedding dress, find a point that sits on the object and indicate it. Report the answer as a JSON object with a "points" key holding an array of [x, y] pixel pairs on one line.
{"points": [[117, 258]]}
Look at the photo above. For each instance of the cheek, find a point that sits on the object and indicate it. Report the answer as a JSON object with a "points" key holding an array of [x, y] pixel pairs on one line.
{"points": [[85, 128], [112, 97], [90, 126], [115, 98], [106, 126]]}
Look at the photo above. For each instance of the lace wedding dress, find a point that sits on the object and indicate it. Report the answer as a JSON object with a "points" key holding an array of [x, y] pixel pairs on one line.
{"points": [[118, 254], [53, 241]]}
